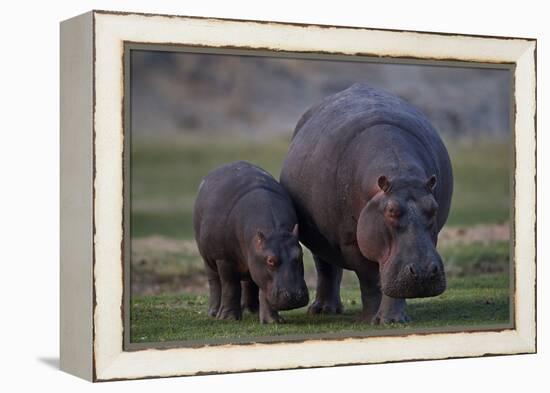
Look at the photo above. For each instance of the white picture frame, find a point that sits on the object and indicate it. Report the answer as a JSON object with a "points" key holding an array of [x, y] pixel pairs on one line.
{"points": [[92, 194]]}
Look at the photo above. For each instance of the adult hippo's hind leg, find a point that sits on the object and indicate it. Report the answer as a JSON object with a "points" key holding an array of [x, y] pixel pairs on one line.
{"points": [[327, 296]]}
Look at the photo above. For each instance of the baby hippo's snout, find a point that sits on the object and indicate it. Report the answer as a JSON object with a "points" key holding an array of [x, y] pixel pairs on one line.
{"points": [[288, 298]]}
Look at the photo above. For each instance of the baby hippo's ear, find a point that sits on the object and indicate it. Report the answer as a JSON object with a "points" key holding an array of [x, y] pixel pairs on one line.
{"points": [[260, 239], [431, 183], [295, 231]]}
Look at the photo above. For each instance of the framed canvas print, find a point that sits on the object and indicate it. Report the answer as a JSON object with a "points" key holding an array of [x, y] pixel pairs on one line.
{"points": [[245, 195]]}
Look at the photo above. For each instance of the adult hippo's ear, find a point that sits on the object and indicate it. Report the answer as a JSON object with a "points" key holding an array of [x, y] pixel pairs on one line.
{"points": [[384, 183], [431, 183], [295, 231]]}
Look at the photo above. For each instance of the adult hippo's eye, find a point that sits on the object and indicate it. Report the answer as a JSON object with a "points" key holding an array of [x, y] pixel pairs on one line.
{"points": [[431, 216], [393, 211]]}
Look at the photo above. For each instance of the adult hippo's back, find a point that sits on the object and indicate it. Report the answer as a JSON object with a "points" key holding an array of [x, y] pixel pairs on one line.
{"points": [[372, 182]]}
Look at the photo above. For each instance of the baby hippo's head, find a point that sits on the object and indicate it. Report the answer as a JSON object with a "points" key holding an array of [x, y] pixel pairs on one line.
{"points": [[276, 266]]}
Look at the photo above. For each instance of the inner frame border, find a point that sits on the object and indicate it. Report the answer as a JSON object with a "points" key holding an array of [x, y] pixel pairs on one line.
{"points": [[130, 46]]}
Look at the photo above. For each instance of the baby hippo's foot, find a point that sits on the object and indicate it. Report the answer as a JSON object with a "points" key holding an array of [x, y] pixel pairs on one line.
{"points": [[391, 311], [229, 313], [267, 313], [325, 306], [270, 316]]}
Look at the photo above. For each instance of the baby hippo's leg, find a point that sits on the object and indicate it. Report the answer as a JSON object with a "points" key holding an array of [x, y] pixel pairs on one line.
{"points": [[250, 296], [267, 313], [230, 304], [215, 288]]}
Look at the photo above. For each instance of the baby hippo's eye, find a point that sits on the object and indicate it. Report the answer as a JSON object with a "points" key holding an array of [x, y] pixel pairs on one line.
{"points": [[271, 261], [431, 210]]}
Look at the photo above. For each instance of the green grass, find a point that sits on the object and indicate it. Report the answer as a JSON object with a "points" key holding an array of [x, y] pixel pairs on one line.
{"points": [[165, 177], [469, 301]]}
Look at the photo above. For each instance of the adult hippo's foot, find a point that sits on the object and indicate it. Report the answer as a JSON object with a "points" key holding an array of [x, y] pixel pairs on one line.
{"points": [[229, 313], [329, 306], [327, 298], [391, 310]]}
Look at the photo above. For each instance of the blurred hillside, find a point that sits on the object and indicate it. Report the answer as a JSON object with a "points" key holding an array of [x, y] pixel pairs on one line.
{"points": [[184, 93]]}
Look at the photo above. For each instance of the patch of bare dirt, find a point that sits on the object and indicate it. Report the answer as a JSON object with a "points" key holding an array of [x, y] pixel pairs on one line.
{"points": [[163, 265], [451, 236]]}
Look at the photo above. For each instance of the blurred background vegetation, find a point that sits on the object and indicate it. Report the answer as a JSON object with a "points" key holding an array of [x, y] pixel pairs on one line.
{"points": [[193, 112]]}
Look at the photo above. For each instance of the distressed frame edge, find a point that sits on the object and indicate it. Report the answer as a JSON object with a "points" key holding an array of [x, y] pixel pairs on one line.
{"points": [[76, 196], [525, 226], [526, 340], [305, 25]]}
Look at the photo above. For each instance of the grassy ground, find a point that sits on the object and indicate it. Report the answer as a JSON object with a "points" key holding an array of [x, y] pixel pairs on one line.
{"points": [[169, 286], [183, 317]]}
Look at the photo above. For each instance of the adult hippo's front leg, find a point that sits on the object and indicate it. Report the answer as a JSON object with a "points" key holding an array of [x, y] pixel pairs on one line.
{"points": [[327, 296], [378, 308], [392, 310]]}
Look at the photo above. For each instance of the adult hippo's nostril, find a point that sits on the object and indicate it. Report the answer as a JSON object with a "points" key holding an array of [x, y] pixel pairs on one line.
{"points": [[411, 270]]}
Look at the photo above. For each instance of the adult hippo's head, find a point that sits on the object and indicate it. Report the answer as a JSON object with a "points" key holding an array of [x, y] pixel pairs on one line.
{"points": [[398, 228], [278, 269]]}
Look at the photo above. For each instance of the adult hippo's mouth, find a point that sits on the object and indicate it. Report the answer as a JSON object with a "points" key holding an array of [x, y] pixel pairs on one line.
{"points": [[413, 280]]}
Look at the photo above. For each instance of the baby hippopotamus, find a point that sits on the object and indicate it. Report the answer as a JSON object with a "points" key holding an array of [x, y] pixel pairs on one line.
{"points": [[246, 231]]}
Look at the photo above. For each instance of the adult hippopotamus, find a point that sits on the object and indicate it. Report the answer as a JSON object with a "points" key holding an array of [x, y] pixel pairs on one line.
{"points": [[371, 182], [246, 230]]}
